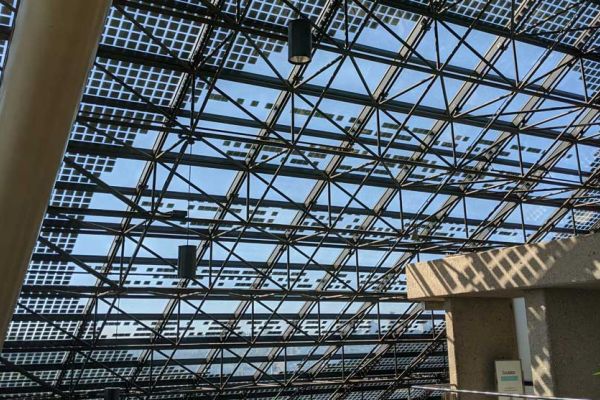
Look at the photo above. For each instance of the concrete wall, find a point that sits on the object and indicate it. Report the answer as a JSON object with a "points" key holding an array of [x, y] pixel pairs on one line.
{"points": [[506, 272], [564, 334], [560, 281], [479, 332], [52, 48]]}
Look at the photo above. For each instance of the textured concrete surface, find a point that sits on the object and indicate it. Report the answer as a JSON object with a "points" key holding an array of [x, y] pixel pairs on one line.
{"points": [[52, 49], [479, 331], [560, 281], [573, 262], [564, 335]]}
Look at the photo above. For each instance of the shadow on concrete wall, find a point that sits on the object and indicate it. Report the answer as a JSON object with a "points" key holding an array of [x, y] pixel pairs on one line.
{"points": [[563, 316], [573, 262]]}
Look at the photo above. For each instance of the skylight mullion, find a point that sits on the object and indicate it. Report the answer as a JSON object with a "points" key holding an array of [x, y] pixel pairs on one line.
{"points": [[282, 100], [180, 102], [376, 353], [415, 36], [553, 182], [591, 114], [531, 74], [77, 339], [462, 94], [158, 144]]}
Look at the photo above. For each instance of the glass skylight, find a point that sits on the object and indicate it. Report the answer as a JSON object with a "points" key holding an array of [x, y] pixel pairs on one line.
{"points": [[419, 129]]}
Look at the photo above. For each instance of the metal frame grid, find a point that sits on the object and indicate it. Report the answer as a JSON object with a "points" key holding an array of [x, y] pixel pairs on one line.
{"points": [[419, 129]]}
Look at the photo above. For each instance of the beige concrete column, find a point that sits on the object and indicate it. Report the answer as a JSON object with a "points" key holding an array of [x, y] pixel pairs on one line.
{"points": [[52, 48], [479, 331], [564, 335]]}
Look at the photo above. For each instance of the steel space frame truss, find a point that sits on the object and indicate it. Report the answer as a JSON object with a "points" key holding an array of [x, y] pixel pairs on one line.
{"points": [[324, 368]]}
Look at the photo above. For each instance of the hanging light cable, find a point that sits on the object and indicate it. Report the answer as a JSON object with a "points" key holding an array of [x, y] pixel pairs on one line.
{"points": [[186, 257], [187, 252]]}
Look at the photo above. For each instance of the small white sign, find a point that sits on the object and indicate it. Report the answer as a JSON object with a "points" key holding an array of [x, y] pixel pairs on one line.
{"points": [[509, 378]]}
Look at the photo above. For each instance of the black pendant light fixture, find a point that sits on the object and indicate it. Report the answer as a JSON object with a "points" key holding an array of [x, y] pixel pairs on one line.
{"points": [[112, 394], [299, 41], [186, 266]]}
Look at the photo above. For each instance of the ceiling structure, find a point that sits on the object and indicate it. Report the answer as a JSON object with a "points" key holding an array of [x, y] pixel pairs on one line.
{"points": [[419, 129]]}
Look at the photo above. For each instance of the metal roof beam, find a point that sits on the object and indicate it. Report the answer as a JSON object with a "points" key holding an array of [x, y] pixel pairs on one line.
{"points": [[207, 342]]}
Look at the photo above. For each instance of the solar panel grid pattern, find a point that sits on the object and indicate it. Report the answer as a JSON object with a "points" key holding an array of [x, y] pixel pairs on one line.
{"points": [[302, 237]]}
